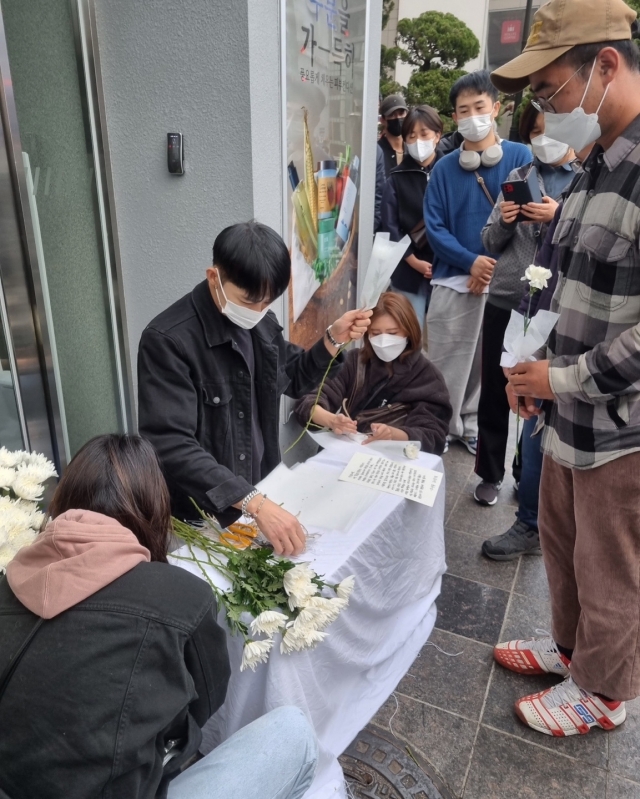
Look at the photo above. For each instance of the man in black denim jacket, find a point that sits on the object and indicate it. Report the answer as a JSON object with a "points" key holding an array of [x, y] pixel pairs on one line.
{"points": [[211, 371]]}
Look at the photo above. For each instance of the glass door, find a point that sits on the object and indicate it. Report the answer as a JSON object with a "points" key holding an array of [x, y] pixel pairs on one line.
{"points": [[67, 278]]}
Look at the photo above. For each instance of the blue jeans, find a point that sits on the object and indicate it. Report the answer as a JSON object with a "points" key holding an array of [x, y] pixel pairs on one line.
{"points": [[272, 758], [529, 487], [420, 301]]}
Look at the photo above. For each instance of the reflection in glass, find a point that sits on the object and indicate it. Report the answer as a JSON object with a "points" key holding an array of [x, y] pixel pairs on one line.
{"points": [[10, 430]]}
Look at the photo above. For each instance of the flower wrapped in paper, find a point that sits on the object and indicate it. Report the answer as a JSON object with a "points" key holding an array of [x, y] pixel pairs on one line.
{"points": [[521, 344], [385, 257]]}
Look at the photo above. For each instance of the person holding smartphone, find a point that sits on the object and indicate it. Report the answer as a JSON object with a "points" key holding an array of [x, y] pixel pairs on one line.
{"points": [[515, 232]]}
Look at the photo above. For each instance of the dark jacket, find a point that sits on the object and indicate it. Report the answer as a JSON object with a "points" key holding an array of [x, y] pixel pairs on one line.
{"points": [[402, 210], [390, 157], [105, 685], [415, 381], [547, 257], [381, 179], [194, 400], [450, 142]]}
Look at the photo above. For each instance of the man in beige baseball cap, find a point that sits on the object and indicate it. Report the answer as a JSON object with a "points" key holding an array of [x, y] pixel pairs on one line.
{"points": [[559, 26], [583, 68]]}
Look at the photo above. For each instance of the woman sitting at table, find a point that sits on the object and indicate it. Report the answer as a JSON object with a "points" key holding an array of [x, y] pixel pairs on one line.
{"points": [[112, 660], [388, 389]]}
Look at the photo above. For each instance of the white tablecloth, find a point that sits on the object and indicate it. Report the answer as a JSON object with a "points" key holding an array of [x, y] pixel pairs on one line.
{"points": [[395, 549]]}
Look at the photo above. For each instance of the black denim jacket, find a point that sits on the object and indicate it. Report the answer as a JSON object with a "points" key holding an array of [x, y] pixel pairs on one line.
{"points": [[104, 686], [194, 400]]}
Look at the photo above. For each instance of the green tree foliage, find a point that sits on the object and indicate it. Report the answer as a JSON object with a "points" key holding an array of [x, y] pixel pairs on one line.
{"points": [[387, 8], [635, 5], [439, 45], [432, 88], [388, 58], [435, 40]]}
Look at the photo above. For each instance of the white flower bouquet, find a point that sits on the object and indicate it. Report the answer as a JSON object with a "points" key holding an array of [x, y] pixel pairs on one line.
{"points": [[284, 598], [22, 479]]}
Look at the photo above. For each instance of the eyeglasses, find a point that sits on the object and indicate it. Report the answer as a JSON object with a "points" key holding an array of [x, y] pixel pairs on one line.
{"points": [[544, 106]]}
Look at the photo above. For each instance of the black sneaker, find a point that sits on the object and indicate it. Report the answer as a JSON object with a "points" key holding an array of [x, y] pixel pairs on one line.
{"points": [[487, 493], [518, 540]]}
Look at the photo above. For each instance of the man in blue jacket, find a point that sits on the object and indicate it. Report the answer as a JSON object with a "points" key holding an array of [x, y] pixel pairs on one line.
{"points": [[463, 188]]}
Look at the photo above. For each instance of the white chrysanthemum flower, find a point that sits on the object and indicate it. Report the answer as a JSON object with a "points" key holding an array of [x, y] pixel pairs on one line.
{"points": [[26, 487], [254, 653], [7, 476], [37, 520], [37, 467], [268, 622], [537, 276], [14, 516], [299, 586], [10, 459], [345, 588]]}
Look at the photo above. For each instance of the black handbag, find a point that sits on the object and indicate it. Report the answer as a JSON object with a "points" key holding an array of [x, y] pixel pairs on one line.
{"points": [[392, 413]]}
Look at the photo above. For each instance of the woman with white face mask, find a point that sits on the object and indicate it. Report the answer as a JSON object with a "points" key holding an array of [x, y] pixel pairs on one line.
{"points": [[514, 241], [388, 390], [402, 212]]}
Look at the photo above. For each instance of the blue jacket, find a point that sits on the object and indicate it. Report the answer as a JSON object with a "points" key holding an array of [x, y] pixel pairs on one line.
{"points": [[456, 208]]}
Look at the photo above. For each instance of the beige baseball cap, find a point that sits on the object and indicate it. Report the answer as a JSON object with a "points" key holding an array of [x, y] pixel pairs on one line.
{"points": [[557, 27]]}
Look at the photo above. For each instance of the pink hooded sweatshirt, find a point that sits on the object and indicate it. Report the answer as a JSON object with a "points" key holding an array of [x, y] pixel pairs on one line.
{"points": [[78, 553]]}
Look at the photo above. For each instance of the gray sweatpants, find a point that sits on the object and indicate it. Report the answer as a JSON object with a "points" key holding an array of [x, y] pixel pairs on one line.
{"points": [[454, 324]]}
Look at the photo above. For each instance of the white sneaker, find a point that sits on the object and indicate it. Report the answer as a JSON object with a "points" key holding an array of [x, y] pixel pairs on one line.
{"points": [[535, 656], [568, 709]]}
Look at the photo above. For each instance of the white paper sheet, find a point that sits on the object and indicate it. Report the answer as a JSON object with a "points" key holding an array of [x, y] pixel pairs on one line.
{"points": [[392, 449], [385, 256], [401, 479], [520, 347], [315, 494]]}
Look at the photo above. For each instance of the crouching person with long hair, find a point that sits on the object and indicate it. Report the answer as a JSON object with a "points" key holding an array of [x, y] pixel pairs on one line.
{"points": [[112, 661]]}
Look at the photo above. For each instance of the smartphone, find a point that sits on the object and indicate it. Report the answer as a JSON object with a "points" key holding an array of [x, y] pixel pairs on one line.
{"points": [[521, 192]]}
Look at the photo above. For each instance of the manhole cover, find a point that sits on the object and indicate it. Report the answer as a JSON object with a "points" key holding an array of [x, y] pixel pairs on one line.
{"points": [[375, 766]]}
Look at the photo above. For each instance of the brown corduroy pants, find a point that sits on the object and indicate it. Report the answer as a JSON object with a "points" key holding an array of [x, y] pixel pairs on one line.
{"points": [[589, 524]]}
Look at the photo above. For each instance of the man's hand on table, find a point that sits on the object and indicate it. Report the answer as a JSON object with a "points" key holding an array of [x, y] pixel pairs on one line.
{"points": [[281, 529]]}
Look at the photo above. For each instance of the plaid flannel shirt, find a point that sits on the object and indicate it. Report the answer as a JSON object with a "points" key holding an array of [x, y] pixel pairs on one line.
{"points": [[595, 348]]}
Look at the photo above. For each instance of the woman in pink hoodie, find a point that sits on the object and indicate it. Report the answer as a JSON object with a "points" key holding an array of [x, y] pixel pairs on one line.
{"points": [[112, 661]]}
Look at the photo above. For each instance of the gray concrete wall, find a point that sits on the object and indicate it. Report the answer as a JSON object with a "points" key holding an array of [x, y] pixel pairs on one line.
{"points": [[174, 65]]}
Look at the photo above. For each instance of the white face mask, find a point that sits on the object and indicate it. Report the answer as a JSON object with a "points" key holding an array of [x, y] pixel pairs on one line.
{"points": [[547, 150], [476, 128], [577, 129], [388, 347], [421, 149], [243, 317]]}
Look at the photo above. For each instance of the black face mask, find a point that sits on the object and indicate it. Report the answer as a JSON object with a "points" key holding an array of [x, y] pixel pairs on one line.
{"points": [[394, 126]]}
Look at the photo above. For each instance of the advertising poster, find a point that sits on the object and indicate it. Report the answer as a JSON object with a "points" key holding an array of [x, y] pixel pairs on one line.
{"points": [[324, 93]]}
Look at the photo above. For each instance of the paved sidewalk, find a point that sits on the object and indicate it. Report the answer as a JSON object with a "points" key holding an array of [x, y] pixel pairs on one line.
{"points": [[458, 712]]}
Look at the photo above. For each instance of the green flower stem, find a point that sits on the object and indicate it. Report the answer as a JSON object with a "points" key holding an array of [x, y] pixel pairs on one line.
{"points": [[527, 322], [317, 401]]}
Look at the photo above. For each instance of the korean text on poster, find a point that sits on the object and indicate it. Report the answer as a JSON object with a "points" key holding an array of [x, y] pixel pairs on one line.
{"points": [[403, 480]]}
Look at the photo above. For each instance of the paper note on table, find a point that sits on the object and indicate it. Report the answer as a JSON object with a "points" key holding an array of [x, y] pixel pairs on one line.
{"points": [[401, 479]]}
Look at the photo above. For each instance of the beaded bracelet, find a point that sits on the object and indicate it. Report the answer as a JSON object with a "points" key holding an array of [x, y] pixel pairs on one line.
{"points": [[264, 499]]}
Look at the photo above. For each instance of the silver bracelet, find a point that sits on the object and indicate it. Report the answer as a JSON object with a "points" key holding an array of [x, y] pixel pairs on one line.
{"points": [[332, 341], [246, 501]]}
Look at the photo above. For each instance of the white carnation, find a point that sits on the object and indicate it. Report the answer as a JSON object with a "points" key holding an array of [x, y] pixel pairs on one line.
{"points": [[346, 587], [268, 622], [537, 276], [254, 653]]}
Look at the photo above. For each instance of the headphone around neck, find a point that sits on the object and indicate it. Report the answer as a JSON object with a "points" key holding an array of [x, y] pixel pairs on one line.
{"points": [[470, 160]]}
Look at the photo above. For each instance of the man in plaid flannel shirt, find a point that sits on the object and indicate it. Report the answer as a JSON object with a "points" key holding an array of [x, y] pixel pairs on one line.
{"points": [[582, 65]]}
